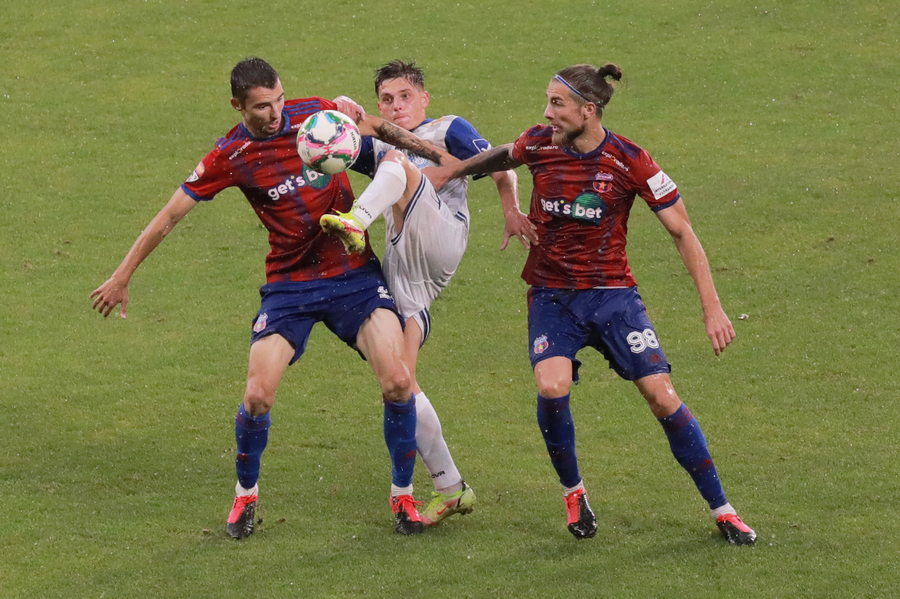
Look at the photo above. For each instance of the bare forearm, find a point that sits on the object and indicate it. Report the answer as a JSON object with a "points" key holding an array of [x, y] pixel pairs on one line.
{"points": [[507, 188], [161, 225], [495, 159], [403, 139], [146, 242], [697, 265]]}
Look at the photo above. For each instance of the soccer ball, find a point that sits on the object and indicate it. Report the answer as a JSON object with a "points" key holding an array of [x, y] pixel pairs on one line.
{"points": [[328, 142]]}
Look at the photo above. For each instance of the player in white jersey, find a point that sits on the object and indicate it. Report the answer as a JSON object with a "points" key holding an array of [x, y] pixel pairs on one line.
{"points": [[426, 235]]}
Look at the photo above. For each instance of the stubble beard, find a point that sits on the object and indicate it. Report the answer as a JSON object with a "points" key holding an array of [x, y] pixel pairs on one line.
{"points": [[567, 138]]}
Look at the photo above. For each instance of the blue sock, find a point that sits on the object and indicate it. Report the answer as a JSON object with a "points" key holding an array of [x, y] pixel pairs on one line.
{"points": [[689, 448], [558, 429], [252, 435], [400, 437]]}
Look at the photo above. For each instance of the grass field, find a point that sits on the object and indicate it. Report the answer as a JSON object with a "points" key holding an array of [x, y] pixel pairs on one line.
{"points": [[778, 120]]}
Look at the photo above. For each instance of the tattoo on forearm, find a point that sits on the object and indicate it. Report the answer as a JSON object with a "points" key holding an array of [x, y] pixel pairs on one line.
{"points": [[403, 139], [495, 159]]}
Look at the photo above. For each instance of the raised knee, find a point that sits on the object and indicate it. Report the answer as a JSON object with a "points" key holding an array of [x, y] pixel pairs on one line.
{"points": [[396, 156]]}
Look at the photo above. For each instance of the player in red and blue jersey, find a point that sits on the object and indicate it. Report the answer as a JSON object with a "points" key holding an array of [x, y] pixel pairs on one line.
{"points": [[583, 293], [309, 277]]}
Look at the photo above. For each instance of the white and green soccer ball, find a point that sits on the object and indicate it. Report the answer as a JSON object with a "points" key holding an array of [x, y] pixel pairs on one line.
{"points": [[329, 142]]}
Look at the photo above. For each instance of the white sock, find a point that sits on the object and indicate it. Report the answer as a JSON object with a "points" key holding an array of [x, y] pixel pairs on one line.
{"points": [[240, 491], [384, 191], [433, 449], [721, 511], [567, 490], [398, 491]]}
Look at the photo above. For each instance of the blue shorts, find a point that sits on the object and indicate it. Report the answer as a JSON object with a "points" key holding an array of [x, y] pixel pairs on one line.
{"points": [[612, 321], [343, 303]]}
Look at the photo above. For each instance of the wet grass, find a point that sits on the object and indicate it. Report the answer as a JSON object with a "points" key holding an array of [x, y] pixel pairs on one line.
{"points": [[116, 455]]}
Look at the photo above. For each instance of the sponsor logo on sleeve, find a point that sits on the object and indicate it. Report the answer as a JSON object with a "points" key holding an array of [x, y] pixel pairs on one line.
{"points": [[482, 145], [661, 185], [198, 172]]}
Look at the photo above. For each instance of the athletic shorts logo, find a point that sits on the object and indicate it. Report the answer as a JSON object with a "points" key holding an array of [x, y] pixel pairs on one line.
{"points": [[541, 344], [383, 292], [260, 323]]}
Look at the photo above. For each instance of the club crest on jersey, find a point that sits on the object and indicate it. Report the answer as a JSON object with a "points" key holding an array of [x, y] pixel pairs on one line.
{"points": [[541, 344], [198, 172], [260, 323], [603, 182]]}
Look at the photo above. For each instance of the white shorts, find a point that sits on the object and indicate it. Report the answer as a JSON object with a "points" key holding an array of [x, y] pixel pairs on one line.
{"points": [[420, 260]]}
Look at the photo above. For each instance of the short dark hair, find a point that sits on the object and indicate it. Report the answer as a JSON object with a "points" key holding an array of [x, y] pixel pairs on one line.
{"points": [[589, 84], [397, 69], [250, 73]]}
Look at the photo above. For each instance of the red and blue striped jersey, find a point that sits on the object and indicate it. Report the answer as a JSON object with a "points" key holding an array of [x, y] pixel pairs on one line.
{"points": [[580, 205], [288, 196]]}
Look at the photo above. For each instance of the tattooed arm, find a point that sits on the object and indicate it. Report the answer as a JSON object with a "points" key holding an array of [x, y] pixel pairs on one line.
{"points": [[401, 138], [492, 161], [495, 159]]}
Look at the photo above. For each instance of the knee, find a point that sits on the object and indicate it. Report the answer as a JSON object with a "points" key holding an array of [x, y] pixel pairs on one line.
{"points": [[396, 156], [258, 400], [396, 384], [663, 403], [553, 386]]}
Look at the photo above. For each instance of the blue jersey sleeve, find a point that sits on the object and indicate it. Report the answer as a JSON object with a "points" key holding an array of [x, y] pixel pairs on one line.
{"points": [[365, 162], [464, 141]]}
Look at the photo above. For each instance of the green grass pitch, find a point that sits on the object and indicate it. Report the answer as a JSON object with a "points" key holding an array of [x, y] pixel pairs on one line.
{"points": [[777, 119]]}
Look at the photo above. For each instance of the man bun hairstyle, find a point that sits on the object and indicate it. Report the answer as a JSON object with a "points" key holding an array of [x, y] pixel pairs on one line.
{"points": [[397, 69], [589, 84], [250, 73]]}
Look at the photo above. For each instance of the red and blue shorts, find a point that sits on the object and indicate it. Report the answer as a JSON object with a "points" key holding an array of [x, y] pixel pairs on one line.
{"points": [[613, 321], [343, 303]]}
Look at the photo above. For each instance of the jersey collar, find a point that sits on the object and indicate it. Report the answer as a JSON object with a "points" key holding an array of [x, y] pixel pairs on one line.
{"points": [[593, 152]]}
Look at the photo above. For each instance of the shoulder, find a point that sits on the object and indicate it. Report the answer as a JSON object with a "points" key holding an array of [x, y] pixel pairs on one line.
{"points": [[461, 137], [536, 139], [538, 135], [237, 136], [623, 145], [301, 108]]}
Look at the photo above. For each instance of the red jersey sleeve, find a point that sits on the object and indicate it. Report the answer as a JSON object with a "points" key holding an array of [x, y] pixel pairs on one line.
{"points": [[209, 178], [652, 184]]}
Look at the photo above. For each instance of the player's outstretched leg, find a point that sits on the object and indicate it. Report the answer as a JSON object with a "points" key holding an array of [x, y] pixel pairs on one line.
{"points": [[690, 449], [389, 186], [451, 495], [346, 228]]}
